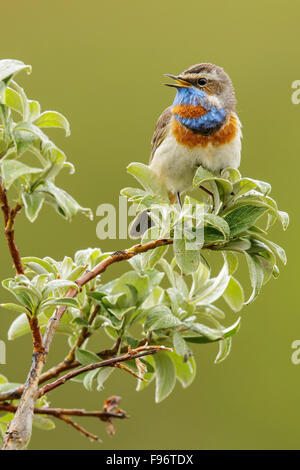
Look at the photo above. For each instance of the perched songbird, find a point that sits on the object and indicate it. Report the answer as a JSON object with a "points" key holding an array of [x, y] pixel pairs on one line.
{"points": [[201, 127]]}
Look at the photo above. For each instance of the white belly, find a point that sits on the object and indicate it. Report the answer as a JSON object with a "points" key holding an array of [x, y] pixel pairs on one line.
{"points": [[175, 164]]}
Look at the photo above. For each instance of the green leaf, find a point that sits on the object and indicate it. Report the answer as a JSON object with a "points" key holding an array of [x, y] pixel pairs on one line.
{"points": [[89, 379], [13, 169], [169, 271], [29, 128], [232, 330], [224, 350], [242, 218], [23, 98], [160, 317], [43, 263], [212, 235], [34, 109], [38, 269], [221, 334], [65, 205], [256, 273], [276, 249], [179, 344], [86, 357], [219, 223], [232, 261], [185, 370], [165, 376], [103, 375], [8, 386], [279, 251], [53, 119], [41, 422], [13, 100], [23, 140], [245, 185], [232, 174], [4, 420], [68, 302], [234, 295], [187, 259], [146, 178], [56, 161], [258, 200], [213, 288], [149, 375], [153, 256], [132, 193], [24, 291], [14, 307], [130, 289], [76, 273], [18, 327], [58, 284], [3, 379], [202, 175], [284, 219], [9, 67], [90, 256], [81, 322], [33, 204], [97, 296], [66, 267], [200, 277], [209, 334], [214, 311]]}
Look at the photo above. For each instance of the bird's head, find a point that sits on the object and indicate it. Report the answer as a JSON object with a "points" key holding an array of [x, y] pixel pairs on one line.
{"points": [[204, 81]]}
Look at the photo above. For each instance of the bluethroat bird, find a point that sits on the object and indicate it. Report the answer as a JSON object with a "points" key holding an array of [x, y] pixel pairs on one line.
{"points": [[201, 127]]}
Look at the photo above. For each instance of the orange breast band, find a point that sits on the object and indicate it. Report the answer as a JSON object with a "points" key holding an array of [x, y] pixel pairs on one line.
{"points": [[189, 111], [191, 139]]}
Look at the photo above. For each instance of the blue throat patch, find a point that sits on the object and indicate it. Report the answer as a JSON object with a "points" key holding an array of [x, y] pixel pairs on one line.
{"points": [[206, 124]]}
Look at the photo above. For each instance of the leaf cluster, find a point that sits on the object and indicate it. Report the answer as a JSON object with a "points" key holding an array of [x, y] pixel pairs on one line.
{"points": [[21, 137]]}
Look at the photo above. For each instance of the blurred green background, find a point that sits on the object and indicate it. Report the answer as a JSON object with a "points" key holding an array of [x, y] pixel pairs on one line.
{"points": [[101, 64]]}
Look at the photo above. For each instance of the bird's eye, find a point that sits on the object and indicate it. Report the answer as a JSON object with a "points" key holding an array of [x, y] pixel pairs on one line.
{"points": [[202, 81]]}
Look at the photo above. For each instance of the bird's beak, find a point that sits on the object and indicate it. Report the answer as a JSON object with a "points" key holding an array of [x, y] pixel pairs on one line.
{"points": [[180, 82]]}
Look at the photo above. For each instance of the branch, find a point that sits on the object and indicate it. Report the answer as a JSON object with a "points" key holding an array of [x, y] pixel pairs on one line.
{"points": [[79, 428], [132, 354], [9, 215], [102, 415], [130, 371], [19, 430], [64, 366], [63, 413]]}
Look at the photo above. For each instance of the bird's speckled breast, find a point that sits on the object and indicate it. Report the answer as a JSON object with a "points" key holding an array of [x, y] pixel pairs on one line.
{"points": [[187, 137]]}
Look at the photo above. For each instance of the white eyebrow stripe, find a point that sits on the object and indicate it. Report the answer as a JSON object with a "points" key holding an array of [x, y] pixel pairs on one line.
{"points": [[211, 75], [192, 76]]}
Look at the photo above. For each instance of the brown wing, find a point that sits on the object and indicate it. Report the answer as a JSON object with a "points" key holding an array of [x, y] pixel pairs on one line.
{"points": [[160, 130]]}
